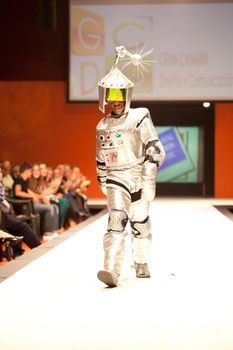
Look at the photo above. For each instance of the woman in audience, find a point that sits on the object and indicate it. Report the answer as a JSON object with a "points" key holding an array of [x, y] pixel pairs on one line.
{"points": [[61, 190], [55, 193]]}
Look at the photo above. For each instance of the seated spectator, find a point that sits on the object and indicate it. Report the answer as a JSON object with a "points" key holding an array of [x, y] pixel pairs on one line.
{"points": [[39, 185], [15, 172], [78, 185], [70, 184], [14, 226], [54, 186], [46, 173], [43, 170], [60, 181], [7, 179], [49, 216], [49, 175], [55, 192]]}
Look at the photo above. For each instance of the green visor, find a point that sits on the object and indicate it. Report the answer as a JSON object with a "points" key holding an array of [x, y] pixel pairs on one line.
{"points": [[115, 94]]}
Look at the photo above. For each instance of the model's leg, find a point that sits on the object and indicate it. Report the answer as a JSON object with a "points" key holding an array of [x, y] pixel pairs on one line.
{"points": [[114, 238], [141, 236]]}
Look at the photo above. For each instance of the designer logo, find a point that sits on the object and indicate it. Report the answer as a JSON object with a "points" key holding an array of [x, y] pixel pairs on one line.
{"points": [[87, 32]]}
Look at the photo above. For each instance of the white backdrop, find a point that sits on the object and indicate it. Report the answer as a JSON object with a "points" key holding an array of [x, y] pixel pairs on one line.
{"points": [[193, 49]]}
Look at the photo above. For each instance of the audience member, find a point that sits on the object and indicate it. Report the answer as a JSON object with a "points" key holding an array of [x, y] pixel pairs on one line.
{"points": [[39, 185], [61, 173], [58, 195], [15, 172], [78, 187], [14, 226], [49, 216], [7, 179], [54, 185], [43, 170], [49, 175]]}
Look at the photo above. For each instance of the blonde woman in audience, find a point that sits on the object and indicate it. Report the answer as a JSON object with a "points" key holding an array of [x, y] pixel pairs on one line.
{"points": [[56, 191], [49, 175], [75, 180]]}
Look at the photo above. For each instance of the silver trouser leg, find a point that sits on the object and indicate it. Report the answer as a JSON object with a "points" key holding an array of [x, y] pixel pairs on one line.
{"points": [[114, 246], [141, 231], [114, 238]]}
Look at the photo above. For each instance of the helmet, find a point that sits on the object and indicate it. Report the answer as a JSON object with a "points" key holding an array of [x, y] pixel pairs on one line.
{"points": [[115, 86]]}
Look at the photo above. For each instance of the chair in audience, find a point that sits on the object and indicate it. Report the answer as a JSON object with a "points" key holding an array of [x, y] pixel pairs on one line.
{"points": [[24, 210], [7, 243]]}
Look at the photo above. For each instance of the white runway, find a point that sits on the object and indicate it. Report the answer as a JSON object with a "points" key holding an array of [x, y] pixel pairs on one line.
{"points": [[56, 302]]}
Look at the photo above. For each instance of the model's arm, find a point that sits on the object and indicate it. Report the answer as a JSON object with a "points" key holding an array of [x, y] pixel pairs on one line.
{"points": [[155, 152], [101, 169], [154, 157], [101, 174]]}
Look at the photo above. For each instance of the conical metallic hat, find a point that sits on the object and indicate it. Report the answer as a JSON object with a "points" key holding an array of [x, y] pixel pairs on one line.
{"points": [[116, 79]]}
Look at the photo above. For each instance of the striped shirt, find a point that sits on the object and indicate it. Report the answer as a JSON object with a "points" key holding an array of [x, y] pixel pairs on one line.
{"points": [[4, 205], [2, 192]]}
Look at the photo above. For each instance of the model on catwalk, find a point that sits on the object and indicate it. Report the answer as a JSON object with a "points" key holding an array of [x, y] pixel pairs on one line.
{"points": [[128, 153]]}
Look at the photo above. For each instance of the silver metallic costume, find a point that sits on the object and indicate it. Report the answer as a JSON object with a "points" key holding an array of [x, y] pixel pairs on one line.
{"points": [[128, 155]]}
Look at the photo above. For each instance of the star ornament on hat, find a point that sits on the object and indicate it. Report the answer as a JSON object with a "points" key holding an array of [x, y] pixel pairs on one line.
{"points": [[115, 86]]}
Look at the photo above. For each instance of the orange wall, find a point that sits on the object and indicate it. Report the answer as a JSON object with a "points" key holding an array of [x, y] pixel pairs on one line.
{"points": [[38, 125], [224, 150]]}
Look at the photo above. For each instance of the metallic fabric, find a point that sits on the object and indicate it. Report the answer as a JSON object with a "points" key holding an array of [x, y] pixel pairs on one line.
{"points": [[141, 248], [117, 220], [121, 142], [128, 153], [114, 246], [142, 270]]}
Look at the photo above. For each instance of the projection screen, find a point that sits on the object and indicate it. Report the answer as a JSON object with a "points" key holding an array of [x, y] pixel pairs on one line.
{"points": [[192, 58]]}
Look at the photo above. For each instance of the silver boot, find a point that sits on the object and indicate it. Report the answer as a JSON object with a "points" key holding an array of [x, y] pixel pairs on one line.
{"points": [[142, 270], [114, 246], [141, 247]]}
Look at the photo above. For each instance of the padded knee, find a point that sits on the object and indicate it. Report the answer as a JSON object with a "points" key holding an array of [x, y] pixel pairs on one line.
{"points": [[141, 229], [117, 220]]}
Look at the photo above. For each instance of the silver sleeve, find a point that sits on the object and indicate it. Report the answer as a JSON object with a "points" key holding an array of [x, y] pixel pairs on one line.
{"points": [[101, 173], [155, 156], [155, 152]]}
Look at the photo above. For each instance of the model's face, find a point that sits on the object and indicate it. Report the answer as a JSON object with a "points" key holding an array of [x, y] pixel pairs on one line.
{"points": [[117, 107]]}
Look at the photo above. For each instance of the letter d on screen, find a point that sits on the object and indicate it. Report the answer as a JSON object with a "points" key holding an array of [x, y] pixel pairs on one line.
{"points": [[89, 77]]}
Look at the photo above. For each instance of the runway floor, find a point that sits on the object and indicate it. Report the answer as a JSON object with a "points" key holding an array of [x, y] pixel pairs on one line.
{"points": [[57, 302]]}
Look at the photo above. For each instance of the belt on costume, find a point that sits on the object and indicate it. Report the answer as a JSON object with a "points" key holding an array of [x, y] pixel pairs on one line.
{"points": [[135, 196]]}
